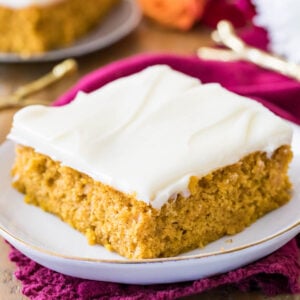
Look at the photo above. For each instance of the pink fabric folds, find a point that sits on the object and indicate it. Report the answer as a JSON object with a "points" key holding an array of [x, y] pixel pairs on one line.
{"points": [[277, 273]]}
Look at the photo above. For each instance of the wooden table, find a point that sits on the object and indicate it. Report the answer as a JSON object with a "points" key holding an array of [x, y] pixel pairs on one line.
{"points": [[148, 37]]}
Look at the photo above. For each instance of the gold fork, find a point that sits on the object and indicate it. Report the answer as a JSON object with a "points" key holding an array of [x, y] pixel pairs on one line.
{"points": [[237, 49], [19, 97]]}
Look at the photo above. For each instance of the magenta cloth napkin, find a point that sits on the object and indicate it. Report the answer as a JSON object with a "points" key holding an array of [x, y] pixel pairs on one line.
{"points": [[277, 273]]}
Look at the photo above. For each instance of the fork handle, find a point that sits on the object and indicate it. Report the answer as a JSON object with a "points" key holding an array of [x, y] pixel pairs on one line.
{"points": [[66, 67]]}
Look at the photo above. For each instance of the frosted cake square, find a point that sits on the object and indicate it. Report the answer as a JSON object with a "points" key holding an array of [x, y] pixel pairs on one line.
{"points": [[35, 26], [153, 164]]}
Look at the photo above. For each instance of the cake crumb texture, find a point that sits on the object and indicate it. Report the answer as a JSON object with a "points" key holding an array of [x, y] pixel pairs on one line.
{"points": [[221, 203], [37, 29]]}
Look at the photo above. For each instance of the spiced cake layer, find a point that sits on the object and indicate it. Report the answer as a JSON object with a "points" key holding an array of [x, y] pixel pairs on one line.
{"points": [[30, 27], [154, 164]]}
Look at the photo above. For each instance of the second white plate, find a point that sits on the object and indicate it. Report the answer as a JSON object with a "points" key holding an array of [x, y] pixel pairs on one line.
{"points": [[117, 24]]}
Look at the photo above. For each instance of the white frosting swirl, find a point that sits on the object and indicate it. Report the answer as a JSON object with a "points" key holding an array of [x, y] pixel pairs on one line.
{"points": [[150, 132]]}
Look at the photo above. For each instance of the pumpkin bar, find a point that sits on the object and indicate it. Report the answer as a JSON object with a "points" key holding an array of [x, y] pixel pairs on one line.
{"points": [[154, 164], [30, 27]]}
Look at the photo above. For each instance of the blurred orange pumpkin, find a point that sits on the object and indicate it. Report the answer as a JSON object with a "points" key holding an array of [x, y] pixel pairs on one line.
{"points": [[180, 14]]}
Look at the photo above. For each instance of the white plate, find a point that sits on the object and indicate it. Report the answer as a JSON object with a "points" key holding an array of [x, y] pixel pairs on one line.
{"points": [[117, 24], [52, 243]]}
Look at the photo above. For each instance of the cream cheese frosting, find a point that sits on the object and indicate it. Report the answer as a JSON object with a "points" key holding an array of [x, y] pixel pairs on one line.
{"points": [[148, 133], [17, 4]]}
